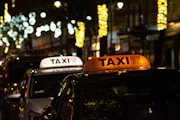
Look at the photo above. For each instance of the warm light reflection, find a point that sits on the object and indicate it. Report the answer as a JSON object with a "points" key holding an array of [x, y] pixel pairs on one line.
{"points": [[102, 20], [120, 5], [162, 14], [80, 34], [6, 50], [13, 3], [57, 4], [7, 16], [1, 21]]}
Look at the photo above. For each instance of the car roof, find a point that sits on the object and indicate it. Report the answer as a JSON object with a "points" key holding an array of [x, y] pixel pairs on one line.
{"points": [[54, 70], [148, 75]]}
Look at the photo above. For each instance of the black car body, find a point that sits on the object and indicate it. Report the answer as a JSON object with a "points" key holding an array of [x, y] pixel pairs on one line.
{"points": [[148, 94]]}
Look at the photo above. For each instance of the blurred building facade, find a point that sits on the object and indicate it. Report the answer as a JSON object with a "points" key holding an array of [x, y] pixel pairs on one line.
{"points": [[138, 33], [133, 30]]}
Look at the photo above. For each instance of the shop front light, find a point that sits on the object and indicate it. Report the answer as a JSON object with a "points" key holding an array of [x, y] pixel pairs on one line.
{"points": [[120, 5]]}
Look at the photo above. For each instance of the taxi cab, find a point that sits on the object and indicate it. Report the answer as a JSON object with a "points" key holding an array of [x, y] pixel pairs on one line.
{"points": [[38, 86], [120, 87]]}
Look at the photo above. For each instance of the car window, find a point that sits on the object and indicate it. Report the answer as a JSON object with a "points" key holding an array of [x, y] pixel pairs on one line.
{"points": [[45, 85], [110, 101]]}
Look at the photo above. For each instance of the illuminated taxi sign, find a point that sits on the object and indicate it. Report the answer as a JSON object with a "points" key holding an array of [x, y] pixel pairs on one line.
{"points": [[116, 63], [60, 61]]}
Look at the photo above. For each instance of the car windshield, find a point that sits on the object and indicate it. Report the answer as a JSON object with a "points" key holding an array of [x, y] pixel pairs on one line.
{"points": [[45, 85], [142, 95]]}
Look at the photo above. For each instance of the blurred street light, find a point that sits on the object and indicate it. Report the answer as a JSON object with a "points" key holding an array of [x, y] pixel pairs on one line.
{"points": [[120, 5], [57, 4]]}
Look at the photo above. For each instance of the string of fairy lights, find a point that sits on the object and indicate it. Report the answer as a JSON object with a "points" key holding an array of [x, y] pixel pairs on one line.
{"points": [[162, 14]]}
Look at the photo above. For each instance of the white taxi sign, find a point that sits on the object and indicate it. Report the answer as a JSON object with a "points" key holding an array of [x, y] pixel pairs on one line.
{"points": [[60, 61], [116, 63]]}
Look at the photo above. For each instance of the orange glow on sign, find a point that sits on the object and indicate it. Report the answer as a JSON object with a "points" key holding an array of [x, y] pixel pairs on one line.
{"points": [[116, 63]]}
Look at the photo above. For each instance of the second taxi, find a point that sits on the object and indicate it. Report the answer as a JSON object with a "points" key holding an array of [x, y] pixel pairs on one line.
{"points": [[38, 86]]}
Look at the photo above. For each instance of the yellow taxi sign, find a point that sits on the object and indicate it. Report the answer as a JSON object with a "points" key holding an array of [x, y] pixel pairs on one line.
{"points": [[61, 61], [116, 63]]}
